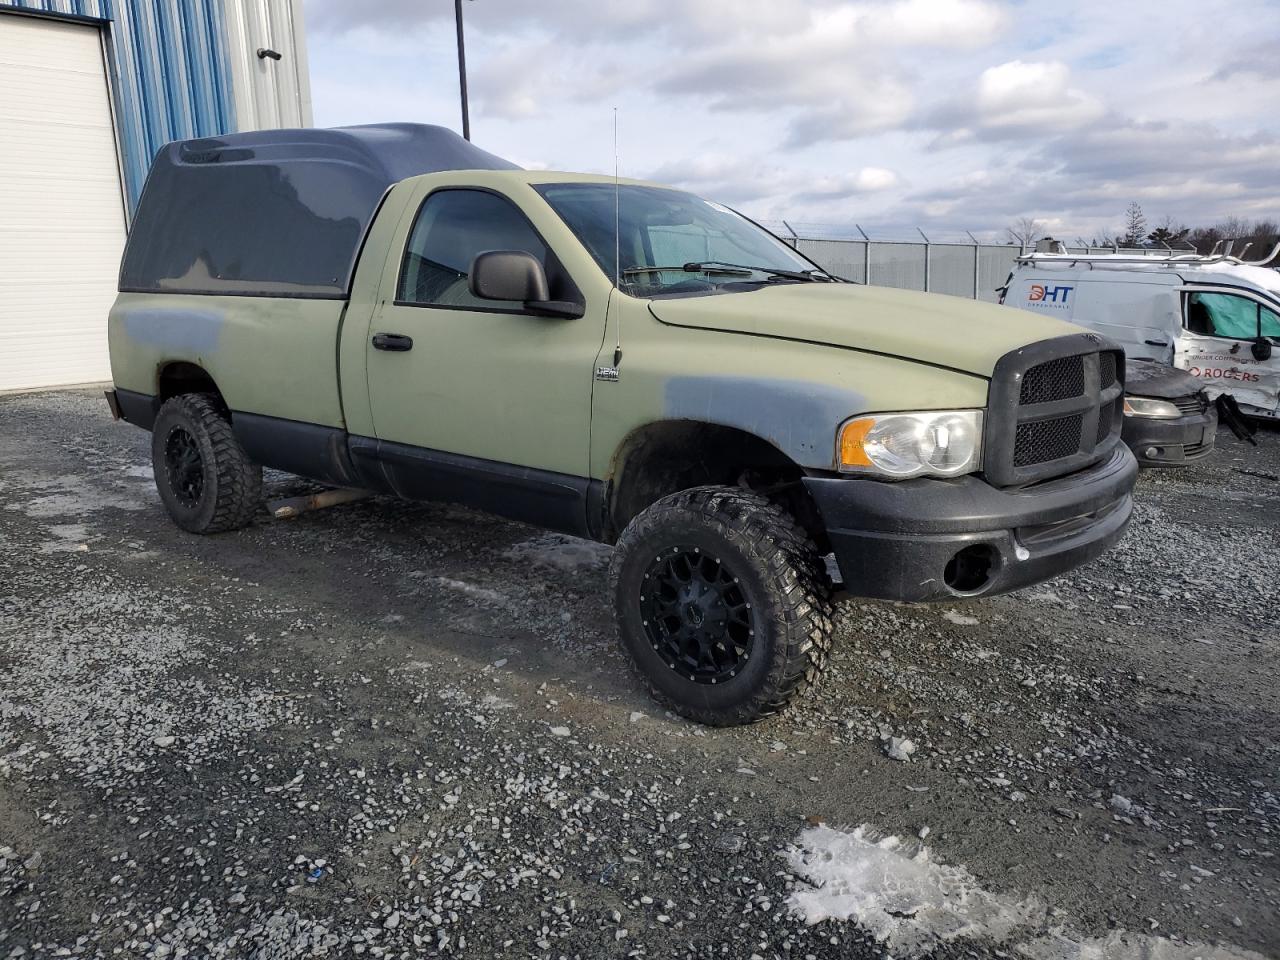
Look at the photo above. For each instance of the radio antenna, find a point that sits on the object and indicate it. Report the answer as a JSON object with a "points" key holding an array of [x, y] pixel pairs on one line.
{"points": [[617, 243]]}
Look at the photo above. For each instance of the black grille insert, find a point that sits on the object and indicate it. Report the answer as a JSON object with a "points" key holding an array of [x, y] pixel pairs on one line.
{"points": [[1048, 412], [1106, 369], [1106, 420], [1043, 440], [1057, 379]]}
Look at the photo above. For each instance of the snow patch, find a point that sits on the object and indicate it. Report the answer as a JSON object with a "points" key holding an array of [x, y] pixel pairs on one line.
{"points": [[560, 552], [473, 590], [896, 891], [960, 619]]}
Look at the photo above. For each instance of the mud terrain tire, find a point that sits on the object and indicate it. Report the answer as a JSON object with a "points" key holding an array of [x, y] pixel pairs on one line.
{"points": [[723, 604], [207, 482]]}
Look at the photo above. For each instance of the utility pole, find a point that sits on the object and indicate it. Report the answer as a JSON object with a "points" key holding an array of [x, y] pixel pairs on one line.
{"points": [[462, 71]]}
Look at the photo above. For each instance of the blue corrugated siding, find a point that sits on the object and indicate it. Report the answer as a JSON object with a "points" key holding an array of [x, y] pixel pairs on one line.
{"points": [[169, 68]]}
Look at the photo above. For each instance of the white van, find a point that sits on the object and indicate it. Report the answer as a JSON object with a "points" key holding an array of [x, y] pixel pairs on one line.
{"points": [[1215, 316]]}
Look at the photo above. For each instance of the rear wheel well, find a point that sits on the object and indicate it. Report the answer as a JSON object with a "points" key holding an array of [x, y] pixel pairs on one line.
{"points": [[181, 377], [673, 455]]}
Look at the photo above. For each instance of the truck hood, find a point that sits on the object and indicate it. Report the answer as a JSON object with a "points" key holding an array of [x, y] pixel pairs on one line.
{"points": [[960, 334]]}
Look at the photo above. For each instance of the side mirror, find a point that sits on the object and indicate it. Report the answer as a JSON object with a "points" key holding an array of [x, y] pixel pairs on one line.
{"points": [[516, 275], [508, 275], [1262, 349]]}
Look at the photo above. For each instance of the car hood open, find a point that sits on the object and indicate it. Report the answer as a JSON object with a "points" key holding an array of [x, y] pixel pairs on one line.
{"points": [[952, 332]]}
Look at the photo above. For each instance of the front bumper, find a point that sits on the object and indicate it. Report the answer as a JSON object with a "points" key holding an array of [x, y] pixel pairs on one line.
{"points": [[1172, 443], [934, 539]]}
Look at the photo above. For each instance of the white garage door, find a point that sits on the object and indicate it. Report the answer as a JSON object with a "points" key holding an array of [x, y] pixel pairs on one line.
{"points": [[61, 216]]}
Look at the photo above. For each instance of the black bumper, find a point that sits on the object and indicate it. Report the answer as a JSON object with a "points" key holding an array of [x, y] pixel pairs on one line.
{"points": [[1172, 443], [939, 539]]}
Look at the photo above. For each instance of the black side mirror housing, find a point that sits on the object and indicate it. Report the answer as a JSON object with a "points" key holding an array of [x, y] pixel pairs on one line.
{"points": [[516, 275], [1262, 349], [508, 275]]}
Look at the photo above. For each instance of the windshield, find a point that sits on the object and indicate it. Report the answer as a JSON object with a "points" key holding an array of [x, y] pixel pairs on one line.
{"points": [[672, 242]]}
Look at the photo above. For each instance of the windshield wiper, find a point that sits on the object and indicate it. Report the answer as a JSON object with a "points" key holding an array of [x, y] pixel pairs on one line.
{"points": [[726, 269], [809, 276]]}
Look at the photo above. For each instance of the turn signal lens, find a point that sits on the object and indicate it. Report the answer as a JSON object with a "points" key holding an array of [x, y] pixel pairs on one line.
{"points": [[852, 436]]}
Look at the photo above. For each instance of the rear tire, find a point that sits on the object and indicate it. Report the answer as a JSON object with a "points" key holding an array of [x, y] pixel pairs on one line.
{"points": [[206, 480], [723, 604]]}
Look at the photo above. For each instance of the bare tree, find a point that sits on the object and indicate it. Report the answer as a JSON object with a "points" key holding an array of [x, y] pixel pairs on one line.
{"points": [[1135, 225], [1023, 231]]}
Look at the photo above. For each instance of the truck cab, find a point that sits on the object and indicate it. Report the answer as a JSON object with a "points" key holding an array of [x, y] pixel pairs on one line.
{"points": [[392, 309]]}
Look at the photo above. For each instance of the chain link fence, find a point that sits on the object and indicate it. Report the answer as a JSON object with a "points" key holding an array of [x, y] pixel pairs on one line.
{"points": [[971, 270]]}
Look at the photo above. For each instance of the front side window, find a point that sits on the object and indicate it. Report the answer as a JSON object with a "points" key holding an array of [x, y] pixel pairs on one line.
{"points": [[662, 241], [1231, 317], [454, 226]]}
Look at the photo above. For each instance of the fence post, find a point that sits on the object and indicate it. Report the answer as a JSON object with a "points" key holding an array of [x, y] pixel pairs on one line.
{"points": [[866, 256], [926, 259], [977, 264], [795, 237]]}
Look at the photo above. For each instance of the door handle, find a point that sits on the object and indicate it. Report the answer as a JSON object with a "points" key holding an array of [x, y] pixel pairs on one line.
{"points": [[1156, 343], [395, 342]]}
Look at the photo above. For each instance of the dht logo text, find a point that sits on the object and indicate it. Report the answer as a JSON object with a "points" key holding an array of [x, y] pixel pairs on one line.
{"points": [[1058, 294]]}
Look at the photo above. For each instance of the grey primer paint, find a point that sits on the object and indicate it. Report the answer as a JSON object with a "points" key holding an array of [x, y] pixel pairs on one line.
{"points": [[798, 418], [195, 331]]}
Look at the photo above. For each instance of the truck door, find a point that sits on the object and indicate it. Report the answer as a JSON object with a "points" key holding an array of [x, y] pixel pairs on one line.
{"points": [[1225, 341], [472, 400]]}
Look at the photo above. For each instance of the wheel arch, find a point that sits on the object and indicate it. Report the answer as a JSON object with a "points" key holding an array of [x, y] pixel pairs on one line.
{"points": [[177, 377], [667, 456]]}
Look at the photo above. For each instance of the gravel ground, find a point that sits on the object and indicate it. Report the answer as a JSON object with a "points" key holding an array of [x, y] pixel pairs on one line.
{"points": [[402, 730]]}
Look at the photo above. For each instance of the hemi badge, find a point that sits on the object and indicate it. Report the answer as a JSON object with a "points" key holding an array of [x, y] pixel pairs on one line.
{"points": [[607, 373]]}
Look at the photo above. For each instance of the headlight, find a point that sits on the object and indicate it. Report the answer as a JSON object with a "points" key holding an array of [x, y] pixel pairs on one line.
{"points": [[1147, 407], [938, 443]]}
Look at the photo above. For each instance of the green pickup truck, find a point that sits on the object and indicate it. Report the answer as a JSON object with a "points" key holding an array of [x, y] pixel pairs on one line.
{"points": [[392, 309]]}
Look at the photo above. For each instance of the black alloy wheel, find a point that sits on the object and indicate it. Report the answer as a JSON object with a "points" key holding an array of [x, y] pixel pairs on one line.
{"points": [[696, 615], [183, 465], [723, 604]]}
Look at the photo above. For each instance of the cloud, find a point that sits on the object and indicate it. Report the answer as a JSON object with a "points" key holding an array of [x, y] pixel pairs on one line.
{"points": [[842, 186], [1017, 100], [734, 181], [944, 114], [837, 70], [1032, 96], [943, 23], [1084, 179]]}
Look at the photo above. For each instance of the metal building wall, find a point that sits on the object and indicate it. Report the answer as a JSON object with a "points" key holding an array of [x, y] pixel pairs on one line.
{"points": [[189, 68], [268, 93], [169, 72]]}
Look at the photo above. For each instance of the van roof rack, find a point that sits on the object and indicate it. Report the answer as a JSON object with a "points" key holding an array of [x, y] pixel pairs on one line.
{"points": [[1172, 259]]}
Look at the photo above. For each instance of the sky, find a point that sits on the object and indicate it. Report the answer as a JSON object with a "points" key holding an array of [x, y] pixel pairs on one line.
{"points": [[937, 115]]}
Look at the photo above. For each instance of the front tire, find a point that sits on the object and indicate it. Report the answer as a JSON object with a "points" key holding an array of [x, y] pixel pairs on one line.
{"points": [[206, 480], [723, 604]]}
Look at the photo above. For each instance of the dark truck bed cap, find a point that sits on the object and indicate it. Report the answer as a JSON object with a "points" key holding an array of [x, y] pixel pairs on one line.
{"points": [[276, 212]]}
